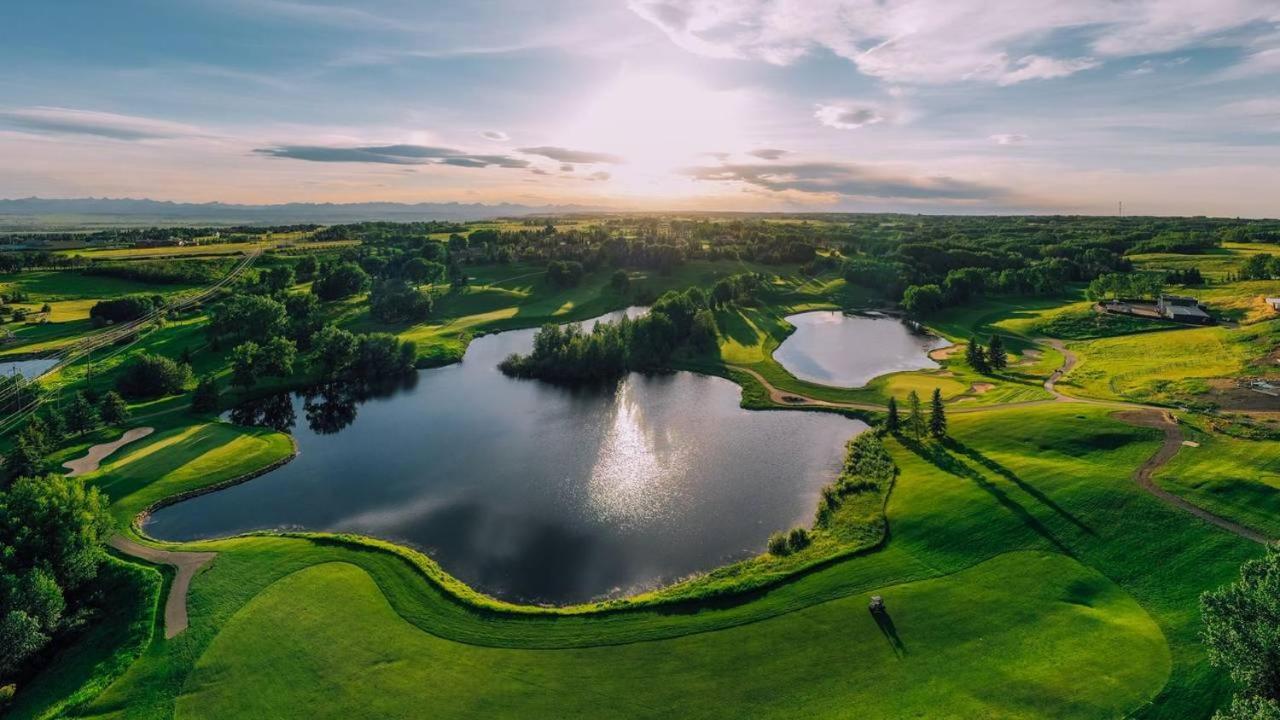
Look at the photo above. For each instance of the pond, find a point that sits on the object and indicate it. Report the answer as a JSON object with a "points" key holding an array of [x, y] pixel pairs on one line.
{"points": [[843, 350], [534, 492], [29, 369]]}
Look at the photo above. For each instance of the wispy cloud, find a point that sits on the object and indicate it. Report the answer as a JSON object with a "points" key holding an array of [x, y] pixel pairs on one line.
{"points": [[566, 155], [68, 121], [767, 153], [393, 155], [939, 41], [846, 180], [495, 135], [1008, 139]]}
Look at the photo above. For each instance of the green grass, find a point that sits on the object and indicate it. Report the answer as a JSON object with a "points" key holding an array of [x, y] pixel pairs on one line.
{"points": [[1043, 482], [1235, 478], [815, 662], [1158, 367]]}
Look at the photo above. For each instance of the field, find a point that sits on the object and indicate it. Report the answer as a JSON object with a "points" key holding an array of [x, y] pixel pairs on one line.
{"points": [[1024, 572]]}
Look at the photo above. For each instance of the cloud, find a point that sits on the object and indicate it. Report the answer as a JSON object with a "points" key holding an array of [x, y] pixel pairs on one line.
{"points": [[849, 116], [767, 153], [942, 41], [495, 135], [565, 155], [67, 121], [845, 179], [1008, 139], [392, 155], [599, 176], [566, 167]]}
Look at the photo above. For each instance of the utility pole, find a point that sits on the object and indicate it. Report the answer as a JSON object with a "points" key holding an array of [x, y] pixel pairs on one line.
{"points": [[1121, 208]]}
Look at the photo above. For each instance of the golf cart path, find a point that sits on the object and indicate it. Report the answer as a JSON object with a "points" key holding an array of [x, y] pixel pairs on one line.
{"points": [[186, 563], [1132, 413], [1163, 421], [90, 461]]}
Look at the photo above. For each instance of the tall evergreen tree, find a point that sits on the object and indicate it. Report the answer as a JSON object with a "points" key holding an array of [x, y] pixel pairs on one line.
{"points": [[915, 420], [937, 416], [976, 356], [205, 398], [112, 408], [82, 416], [893, 423], [997, 356]]}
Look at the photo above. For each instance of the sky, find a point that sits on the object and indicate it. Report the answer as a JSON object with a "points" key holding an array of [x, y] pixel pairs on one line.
{"points": [[940, 106]]}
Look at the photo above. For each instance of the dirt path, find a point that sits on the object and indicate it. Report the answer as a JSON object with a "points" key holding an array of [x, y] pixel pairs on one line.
{"points": [[186, 563], [90, 461], [1163, 421]]}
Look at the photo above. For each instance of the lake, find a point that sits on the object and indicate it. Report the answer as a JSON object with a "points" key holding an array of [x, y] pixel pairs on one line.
{"points": [[29, 369], [533, 492], [844, 350]]}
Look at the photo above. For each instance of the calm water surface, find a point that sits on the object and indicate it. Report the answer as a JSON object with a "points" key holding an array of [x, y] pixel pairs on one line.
{"points": [[534, 492], [833, 348], [29, 369]]}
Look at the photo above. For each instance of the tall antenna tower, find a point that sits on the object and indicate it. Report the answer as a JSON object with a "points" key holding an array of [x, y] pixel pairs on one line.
{"points": [[1121, 208]]}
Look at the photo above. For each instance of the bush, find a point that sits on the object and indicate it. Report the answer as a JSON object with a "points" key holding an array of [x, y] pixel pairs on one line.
{"points": [[151, 376], [778, 544], [205, 398], [798, 539]]}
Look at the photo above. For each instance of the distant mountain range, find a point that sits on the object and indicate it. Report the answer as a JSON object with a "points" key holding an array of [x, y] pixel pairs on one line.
{"points": [[42, 213]]}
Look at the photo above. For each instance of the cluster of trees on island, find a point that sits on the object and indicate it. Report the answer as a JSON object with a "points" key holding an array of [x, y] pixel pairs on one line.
{"points": [[609, 350]]}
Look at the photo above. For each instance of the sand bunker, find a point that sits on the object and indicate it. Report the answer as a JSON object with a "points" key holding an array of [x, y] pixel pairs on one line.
{"points": [[98, 453], [979, 388]]}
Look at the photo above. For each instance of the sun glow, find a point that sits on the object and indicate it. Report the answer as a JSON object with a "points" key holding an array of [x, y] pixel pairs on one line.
{"points": [[658, 123]]}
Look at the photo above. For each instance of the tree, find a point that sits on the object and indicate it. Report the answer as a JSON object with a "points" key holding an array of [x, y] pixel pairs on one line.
{"points": [[915, 418], [334, 350], [976, 356], [420, 270], [246, 317], [620, 282], [997, 357], [564, 273], [702, 335], [1242, 634], [82, 416], [51, 533], [892, 422], [922, 299], [937, 416], [343, 280], [205, 398], [276, 279], [113, 408], [244, 364], [457, 277], [277, 357], [26, 459], [395, 301], [150, 376], [305, 318]]}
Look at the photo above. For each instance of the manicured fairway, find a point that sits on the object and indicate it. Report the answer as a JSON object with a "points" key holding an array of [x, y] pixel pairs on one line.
{"points": [[1066, 639], [1235, 478]]}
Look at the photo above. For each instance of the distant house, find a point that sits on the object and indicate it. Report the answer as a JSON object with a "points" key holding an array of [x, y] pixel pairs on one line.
{"points": [[1181, 308]]}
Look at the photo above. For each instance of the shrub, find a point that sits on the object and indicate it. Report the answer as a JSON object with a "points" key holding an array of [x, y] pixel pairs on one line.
{"points": [[798, 539], [778, 544], [151, 376]]}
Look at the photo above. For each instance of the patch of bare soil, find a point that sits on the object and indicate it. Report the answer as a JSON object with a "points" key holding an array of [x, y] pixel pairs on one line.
{"points": [[1235, 395], [944, 353], [980, 388]]}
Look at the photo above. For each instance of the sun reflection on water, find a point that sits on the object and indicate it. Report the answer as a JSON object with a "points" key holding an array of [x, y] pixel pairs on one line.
{"points": [[633, 479]]}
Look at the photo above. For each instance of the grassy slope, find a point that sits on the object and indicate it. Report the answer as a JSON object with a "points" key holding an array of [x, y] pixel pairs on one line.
{"points": [[815, 662], [1235, 478], [1051, 478]]}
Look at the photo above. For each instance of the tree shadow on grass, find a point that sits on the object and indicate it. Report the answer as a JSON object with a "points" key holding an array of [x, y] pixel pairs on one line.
{"points": [[1026, 487], [938, 456]]}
